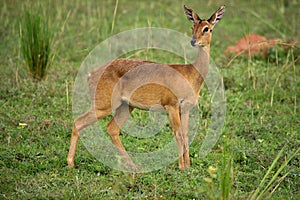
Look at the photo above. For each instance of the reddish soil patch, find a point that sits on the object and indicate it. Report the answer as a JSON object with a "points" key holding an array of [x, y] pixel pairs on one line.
{"points": [[252, 44]]}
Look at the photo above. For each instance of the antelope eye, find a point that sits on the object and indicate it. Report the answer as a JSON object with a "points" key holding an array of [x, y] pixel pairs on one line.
{"points": [[205, 29]]}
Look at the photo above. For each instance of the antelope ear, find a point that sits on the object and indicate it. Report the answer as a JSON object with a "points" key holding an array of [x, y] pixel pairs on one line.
{"points": [[217, 16], [191, 15]]}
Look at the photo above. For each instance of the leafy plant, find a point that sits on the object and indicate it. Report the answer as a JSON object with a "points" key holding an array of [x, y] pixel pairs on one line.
{"points": [[36, 40]]}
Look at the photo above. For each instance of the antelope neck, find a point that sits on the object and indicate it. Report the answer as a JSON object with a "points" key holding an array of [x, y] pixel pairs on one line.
{"points": [[202, 61]]}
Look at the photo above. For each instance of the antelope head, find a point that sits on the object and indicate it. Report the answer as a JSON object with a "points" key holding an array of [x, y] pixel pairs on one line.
{"points": [[202, 29]]}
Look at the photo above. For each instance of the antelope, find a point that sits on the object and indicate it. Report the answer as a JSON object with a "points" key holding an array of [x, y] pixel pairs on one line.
{"points": [[125, 84]]}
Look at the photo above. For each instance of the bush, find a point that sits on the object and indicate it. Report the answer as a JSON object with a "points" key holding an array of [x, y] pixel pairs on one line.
{"points": [[36, 40]]}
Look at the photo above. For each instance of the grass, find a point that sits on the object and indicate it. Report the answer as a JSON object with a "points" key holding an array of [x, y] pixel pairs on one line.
{"points": [[260, 191], [262, 107], [36, 43]]}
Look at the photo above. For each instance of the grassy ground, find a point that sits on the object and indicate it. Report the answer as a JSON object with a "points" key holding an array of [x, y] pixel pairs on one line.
{"points": [[262, 105]]}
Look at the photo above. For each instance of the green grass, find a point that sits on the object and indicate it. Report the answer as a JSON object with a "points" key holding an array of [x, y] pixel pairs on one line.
{"points": [[262, 106], [36, 40]]}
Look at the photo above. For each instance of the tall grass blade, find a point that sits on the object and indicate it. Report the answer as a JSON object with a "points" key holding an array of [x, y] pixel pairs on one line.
{"points": [[114, 18], [274, 177], [227, 173], [260, 190]]}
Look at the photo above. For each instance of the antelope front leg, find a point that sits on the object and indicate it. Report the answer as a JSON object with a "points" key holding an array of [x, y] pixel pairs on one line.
{"points": [[185, 128]]}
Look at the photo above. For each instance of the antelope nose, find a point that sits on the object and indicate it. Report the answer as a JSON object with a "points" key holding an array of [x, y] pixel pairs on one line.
{"points": [[193, 42]]}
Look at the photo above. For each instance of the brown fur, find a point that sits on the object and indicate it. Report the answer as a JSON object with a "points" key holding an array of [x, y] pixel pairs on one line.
{"points": [[125, 84]]}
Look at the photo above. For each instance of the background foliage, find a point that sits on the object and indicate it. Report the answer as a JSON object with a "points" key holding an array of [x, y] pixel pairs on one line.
{"points": [[262, 104]]}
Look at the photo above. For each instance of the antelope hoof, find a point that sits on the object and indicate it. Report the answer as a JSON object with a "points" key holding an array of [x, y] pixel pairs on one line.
{"points": [[70, 163], [131, 166], [187, 164], [181, 167]]}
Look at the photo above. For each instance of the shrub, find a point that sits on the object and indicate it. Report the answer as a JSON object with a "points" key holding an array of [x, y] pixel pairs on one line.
{"points": [[36, 39]]}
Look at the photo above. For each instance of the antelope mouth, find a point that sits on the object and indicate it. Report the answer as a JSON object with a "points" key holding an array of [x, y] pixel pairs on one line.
{"points": [[194, 43]]}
